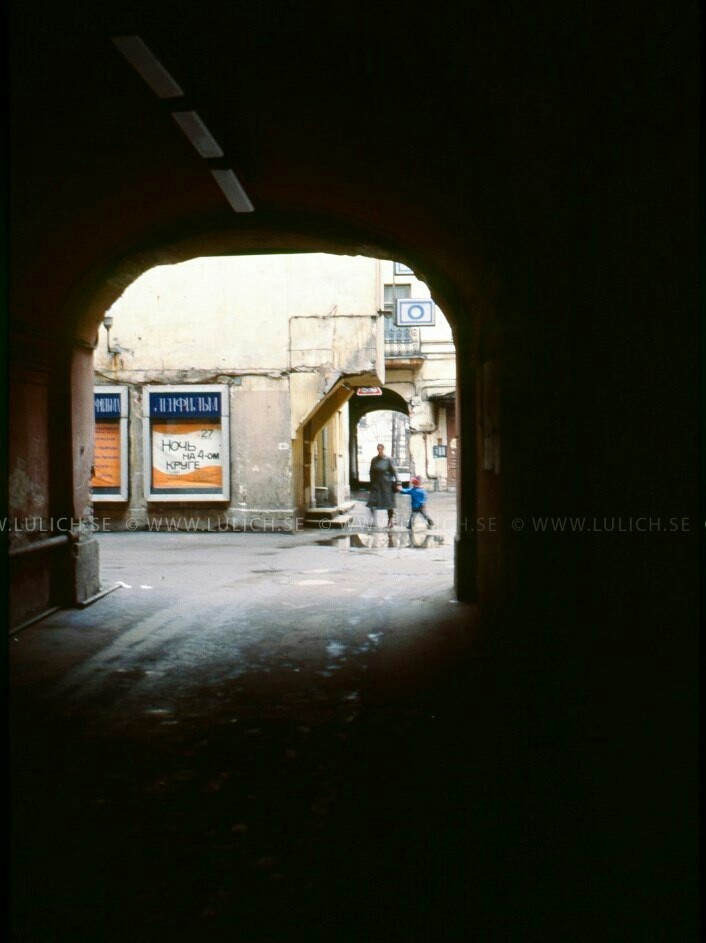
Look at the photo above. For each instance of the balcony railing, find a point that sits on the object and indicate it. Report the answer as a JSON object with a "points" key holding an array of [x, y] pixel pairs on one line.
{"points": [[402, 342]]}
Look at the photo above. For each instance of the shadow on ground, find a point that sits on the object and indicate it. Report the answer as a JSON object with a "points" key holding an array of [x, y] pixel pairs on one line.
{"points": [[328, 811]]}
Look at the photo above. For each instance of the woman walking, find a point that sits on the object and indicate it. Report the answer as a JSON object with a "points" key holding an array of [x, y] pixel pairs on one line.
{"points": [[383, 485]]}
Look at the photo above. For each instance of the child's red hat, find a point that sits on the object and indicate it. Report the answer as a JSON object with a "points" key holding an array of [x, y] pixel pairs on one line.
{"points": [[416, 481]]}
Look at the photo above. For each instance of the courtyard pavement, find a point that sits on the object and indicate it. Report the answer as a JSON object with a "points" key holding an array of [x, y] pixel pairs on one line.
{"points": [[254, 735], [266, 737]]}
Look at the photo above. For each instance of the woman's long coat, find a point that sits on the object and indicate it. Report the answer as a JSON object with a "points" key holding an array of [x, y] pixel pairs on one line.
{"points": [[383, 478]]}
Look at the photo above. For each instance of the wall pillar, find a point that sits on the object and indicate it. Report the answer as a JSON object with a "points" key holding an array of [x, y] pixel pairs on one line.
{"points": [[85, 556], [465, 546]]}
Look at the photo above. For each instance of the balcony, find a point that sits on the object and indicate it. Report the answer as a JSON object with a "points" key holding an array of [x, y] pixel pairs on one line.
{"points": [[402, 343]]}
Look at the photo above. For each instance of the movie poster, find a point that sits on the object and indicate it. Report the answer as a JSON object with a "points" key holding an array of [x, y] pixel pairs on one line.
{"points": [[109, 479], [107, 456], [186, 443], [187, 456]]}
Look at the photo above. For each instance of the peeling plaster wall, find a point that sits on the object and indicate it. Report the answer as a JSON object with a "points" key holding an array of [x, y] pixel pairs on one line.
{"points": [[261, 454], [338, 345], [335, 343], [223, 314], [305, 391]]}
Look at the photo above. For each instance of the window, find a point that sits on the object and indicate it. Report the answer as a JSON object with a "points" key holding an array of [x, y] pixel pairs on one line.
{"points": [[392, 293], [390, 296]]}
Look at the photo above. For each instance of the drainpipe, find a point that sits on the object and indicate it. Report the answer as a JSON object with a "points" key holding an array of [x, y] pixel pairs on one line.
{"points": [[324, 457], [434, 478]]}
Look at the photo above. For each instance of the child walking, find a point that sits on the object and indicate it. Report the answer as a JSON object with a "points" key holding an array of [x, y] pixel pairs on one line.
{"points": [[419, 502]]}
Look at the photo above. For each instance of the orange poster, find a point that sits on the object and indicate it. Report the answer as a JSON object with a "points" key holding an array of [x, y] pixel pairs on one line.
{"points": [[186, 456], [107, 456]]}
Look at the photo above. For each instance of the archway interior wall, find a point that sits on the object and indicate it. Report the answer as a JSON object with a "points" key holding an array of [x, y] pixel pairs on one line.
{"points": [[32, 577]]}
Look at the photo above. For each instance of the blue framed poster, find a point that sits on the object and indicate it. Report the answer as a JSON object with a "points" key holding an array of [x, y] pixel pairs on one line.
{"points": [[186, 443], [109, 477]]}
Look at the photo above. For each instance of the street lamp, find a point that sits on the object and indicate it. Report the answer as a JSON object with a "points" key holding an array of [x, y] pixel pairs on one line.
{"points": [[107, 324], [116, 349]]}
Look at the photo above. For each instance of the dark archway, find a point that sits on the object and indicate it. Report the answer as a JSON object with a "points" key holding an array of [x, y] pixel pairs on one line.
{"points": [[539, 187]]}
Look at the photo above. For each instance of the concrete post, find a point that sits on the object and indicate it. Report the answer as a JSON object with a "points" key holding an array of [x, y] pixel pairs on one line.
{"points": [[85, 559], [466, 550]]}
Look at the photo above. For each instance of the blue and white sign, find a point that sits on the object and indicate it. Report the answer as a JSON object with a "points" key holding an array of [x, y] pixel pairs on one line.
{"points": [[108, 405], [411, 312], [201, 405]]}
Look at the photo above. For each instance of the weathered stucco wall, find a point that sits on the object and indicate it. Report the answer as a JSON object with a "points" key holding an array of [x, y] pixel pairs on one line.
{"points": [[260, 451], [231, 313], [305, 390], [280, 332]]}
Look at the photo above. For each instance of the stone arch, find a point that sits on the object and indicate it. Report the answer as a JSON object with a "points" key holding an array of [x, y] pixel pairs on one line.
{"points": [[104, 281], [360, 406]]}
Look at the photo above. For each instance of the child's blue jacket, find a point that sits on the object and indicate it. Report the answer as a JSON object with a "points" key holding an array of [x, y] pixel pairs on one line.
{"points": [[418, 496]]}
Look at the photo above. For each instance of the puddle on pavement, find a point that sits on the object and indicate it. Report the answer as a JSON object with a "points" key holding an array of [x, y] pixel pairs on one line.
{"points": [[416, 541], [335, 649], [313, 583], [132, 674]]}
